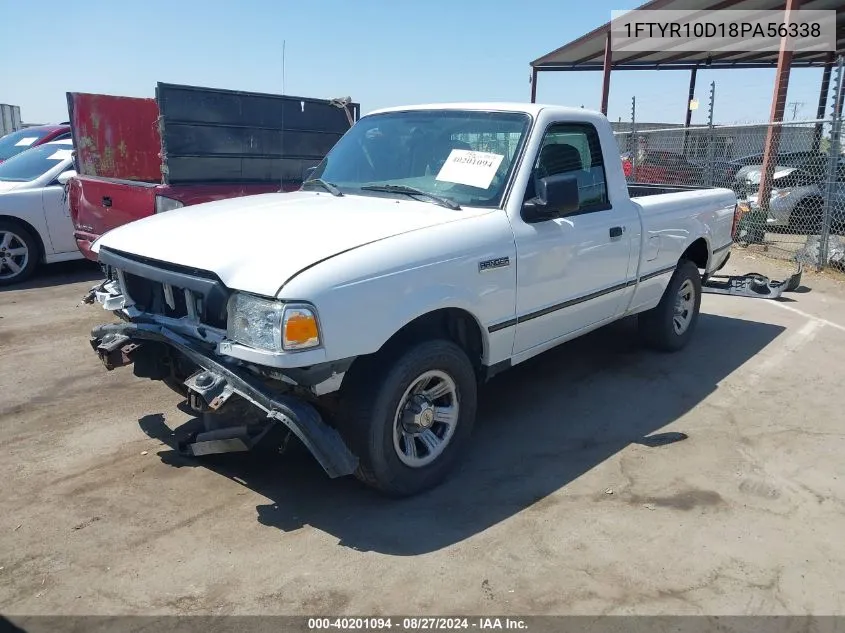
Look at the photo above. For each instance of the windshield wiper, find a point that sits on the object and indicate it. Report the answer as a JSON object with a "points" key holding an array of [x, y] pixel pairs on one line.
{"points": [[332, 189], [413, 191]]}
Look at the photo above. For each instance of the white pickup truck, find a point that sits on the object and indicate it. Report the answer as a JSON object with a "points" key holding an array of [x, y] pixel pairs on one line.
{"points": [[434, 247]]}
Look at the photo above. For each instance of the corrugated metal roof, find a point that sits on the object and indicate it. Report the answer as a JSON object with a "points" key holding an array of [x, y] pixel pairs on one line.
{"points": [[587, 52]]}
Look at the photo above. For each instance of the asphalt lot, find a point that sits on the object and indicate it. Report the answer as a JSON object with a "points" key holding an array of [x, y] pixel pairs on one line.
{"points": [[603, 479]]}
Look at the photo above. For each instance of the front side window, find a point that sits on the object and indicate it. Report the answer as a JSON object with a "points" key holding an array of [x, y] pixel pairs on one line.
{"points": [[574, 149], [464, 156]]}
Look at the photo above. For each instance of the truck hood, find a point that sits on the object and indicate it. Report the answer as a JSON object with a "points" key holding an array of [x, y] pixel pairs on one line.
{"points": [[257, 243]]}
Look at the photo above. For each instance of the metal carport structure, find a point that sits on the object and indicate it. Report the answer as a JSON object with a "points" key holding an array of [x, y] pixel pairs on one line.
{"points": [[593, 52]]}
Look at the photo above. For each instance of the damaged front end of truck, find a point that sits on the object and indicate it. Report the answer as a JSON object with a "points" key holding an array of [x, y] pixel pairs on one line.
{"points": [[172, 326]]}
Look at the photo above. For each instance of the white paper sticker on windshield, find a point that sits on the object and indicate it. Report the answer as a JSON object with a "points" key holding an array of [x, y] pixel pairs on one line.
{"points": [[61, 154], [475, 169], [26, 142]]}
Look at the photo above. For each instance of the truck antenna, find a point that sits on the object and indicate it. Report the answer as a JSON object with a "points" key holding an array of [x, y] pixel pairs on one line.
{"points": [[282, 131]]}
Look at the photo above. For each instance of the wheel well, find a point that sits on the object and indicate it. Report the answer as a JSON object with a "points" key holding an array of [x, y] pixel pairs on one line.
{"points": [[31, 229], [454, 324], [813, 203], [697, 253]]}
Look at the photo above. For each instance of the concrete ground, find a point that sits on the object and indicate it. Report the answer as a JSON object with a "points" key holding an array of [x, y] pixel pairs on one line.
{"points": [[602, 479]]}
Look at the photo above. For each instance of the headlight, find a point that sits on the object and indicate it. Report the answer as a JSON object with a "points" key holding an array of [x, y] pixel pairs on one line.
{"points": [[271, 325], [163, 203]]}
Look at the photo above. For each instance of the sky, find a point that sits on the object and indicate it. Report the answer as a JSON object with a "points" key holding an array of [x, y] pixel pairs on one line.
{"points": [[378, 52]]}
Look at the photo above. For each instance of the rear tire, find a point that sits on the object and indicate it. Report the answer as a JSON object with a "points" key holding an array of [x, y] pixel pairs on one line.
{"points": [[408, 415], [20, 253], [669, 326]]}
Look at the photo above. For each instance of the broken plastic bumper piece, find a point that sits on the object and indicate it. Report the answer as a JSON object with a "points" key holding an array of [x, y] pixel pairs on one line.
{"points": [[108, 294]]}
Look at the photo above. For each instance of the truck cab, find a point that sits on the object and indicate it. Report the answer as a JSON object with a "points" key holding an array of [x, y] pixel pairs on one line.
{"points": [[433, 247]]}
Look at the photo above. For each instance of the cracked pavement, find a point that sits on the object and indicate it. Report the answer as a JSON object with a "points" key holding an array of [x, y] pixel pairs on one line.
{"points": [[603, 479]]}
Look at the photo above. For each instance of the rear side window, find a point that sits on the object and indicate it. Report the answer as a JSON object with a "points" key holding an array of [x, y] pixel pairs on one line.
{"points": [[574, 149], [29, 165]]}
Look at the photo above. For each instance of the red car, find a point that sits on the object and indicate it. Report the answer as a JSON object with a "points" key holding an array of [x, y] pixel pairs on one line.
{"points": [[665, 168], [16, 142]]}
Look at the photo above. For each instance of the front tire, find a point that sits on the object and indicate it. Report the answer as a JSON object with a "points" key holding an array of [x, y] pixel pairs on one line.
{"points": [[669, 326], [408, 416], [19, 253]]}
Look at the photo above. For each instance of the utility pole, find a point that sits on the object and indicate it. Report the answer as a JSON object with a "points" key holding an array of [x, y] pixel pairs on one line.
{"points": [[708, 177], [282, 124], [795, 105]]}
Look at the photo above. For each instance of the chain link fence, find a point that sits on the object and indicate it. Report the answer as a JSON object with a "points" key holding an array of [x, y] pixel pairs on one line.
{"points": [[799, 215]]}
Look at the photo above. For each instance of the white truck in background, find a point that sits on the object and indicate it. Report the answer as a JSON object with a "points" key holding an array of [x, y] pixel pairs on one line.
{"points": [[434, 246]]}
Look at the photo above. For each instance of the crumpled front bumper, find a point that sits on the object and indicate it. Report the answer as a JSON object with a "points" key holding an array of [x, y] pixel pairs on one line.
{"points": [[115, 344], [752, 285]]}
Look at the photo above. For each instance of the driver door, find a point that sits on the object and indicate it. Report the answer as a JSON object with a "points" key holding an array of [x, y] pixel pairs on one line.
{"points": [[57, 216], [572, 271]]}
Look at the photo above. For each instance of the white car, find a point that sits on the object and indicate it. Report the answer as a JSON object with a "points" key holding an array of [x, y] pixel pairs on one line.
{"points": [[35, 224], [433, 247], [797, 199]]}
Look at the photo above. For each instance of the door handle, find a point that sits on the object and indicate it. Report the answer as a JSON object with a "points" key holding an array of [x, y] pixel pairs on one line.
{"points": [[106, 201], [617, 231]]}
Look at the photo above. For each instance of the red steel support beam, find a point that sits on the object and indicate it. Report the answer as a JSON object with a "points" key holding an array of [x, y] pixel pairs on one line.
{"points": [[533, 85], [605, 84], [692, 74], [770, 151]]}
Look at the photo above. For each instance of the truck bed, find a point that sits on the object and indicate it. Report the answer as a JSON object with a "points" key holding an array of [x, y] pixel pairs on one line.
{"points": [[228, 136]]}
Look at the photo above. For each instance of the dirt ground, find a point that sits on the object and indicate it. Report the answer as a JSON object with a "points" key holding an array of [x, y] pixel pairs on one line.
{"points": [[602, 479]]}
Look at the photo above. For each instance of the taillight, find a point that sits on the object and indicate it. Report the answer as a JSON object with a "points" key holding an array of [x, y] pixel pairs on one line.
{"points": [[740, 209], [163, 203]]}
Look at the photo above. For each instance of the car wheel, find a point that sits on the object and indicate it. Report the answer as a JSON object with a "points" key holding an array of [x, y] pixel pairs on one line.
{"points": [[409, 422], [19, 253], [807, 216], [669, 326]]}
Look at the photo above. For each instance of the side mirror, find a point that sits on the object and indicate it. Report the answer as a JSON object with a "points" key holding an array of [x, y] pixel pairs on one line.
{"points": [[556, 196], [63, 177]]}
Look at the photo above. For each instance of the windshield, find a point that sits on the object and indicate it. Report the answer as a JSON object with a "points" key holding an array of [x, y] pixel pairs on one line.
{"points": [[465, 157], [16, 142], [33, 163]]}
